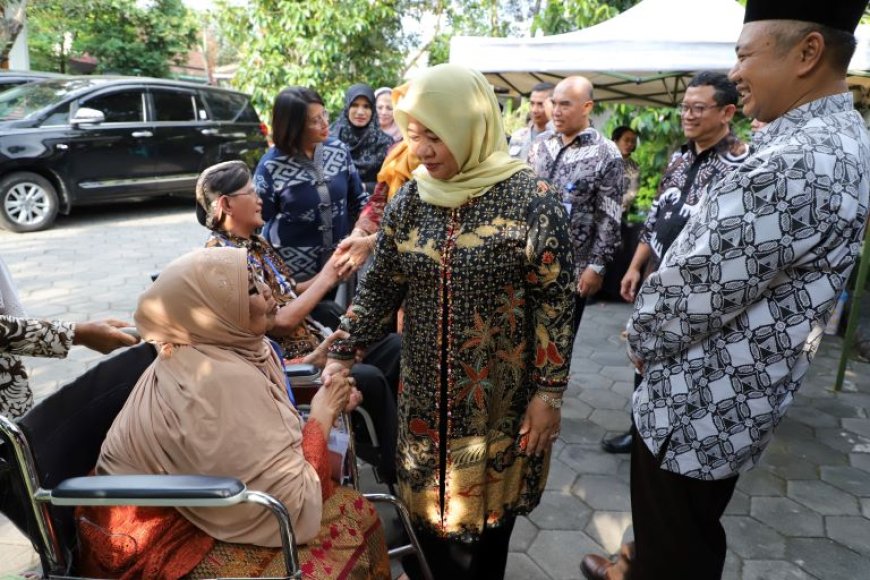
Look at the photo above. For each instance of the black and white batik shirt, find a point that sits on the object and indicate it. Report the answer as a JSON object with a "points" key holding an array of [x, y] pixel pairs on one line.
{"points": [[729, 323], [588, 174]]}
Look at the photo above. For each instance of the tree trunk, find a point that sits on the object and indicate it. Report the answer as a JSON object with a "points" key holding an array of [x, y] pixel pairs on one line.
{"points": [[13, 18]]}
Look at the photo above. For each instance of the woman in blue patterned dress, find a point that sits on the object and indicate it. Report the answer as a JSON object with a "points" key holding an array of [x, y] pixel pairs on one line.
{"points": [[311, 190]]}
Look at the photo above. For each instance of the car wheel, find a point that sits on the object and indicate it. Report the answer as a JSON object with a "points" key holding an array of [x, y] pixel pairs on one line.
{"points": [[28, 202]]}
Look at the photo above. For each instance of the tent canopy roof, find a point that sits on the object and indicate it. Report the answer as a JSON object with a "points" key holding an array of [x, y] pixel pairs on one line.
{"points": [[645, 55]]}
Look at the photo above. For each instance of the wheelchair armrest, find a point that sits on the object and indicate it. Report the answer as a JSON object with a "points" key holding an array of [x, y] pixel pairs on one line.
{"points": [[151, 490]]}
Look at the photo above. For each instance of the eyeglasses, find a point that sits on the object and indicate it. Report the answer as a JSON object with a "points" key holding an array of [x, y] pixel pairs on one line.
{"points": [[697, 109], [319, 121]]}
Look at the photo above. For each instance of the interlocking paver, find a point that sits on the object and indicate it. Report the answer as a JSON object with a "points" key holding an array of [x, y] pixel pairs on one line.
{"points": [[787, 516], [603, 492], [561, 476], [88, 255], [589, 459], [750, 538], [826, 559], [842, 440], [524, 534], [760, 482], [773, 570], [847, 478], [558, 553], [823, 498], [852, 532], [521, 567], [603, 399], [560, 511], [610, 529]]}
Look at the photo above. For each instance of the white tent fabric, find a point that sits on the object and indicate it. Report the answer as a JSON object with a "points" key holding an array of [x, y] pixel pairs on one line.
{"points": [[645, 55]]}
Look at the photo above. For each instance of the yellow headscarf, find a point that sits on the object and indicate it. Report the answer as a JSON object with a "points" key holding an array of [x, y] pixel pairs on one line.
{"points": [[458, 105]]}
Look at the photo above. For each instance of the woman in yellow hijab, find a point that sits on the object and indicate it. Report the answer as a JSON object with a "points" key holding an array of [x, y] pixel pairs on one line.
{"points": [[478, 251]]}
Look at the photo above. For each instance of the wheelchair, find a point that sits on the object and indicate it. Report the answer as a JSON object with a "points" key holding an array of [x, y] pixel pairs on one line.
{"points": [[46, 457]]}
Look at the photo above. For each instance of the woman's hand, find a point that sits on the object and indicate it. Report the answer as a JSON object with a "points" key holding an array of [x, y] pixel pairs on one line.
{"points": [[333, 397], [352, 253], [317, 357], [540, 426]]}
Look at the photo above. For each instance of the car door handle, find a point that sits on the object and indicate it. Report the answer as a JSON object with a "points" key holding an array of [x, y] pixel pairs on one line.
{"points": [[140, 134], [209, 131]]}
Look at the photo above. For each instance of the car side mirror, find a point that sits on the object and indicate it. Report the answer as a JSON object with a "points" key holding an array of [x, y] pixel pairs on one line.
{"points": [[86, 116]]}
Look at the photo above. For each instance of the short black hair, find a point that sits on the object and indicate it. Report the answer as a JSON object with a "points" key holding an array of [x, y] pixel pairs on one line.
{"points": [[620, 131], [542, 88], [725, 91], [290, 116], [839, 44]]}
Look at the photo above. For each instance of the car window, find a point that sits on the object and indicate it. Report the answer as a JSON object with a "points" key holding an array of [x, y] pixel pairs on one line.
{"points": [[174, 106], [24, 101], [59, 116], [230, 107], [120, 107]]}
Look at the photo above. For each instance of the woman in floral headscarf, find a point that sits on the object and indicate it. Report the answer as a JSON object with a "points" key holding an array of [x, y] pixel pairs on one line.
{"points": [[478, 250]]}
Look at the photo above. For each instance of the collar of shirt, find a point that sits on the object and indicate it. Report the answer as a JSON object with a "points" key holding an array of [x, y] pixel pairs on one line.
{"points": [[799, 116], [587, 136]]}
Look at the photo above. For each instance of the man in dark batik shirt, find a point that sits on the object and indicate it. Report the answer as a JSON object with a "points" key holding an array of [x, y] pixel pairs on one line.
{"points": [[587, 170], [711, 152], [725, 330]]}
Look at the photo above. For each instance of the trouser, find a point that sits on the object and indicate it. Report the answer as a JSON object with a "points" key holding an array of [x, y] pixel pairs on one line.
{"points": [[579, 306], [677, 531], [377, 378], [485, 559]]}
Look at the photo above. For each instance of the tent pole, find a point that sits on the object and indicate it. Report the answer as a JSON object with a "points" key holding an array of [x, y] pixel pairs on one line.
{"points": [[852, 326]]}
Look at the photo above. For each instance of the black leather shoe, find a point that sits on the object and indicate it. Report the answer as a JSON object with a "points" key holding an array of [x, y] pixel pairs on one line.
{"points": [[618, 444]]}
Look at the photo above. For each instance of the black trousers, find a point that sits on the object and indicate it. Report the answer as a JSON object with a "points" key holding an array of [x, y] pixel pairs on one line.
{"points": [[377, 379], [579, 306], [677, 532], [485, 559]]}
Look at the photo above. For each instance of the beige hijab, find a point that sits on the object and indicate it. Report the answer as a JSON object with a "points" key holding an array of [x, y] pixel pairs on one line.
{"points": [[214, 402], [458, 105]]}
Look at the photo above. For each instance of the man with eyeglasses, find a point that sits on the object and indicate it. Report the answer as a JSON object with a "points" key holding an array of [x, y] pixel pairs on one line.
{"points": [[587, 170], [726, 328], [711, 152]]}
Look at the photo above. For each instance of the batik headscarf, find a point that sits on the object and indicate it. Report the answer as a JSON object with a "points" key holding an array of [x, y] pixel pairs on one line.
{"points": [[368, 145], [214, 402], [459, 106]]}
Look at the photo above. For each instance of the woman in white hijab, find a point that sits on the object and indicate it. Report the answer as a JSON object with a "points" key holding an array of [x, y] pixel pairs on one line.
{"points": [[477, 249]]}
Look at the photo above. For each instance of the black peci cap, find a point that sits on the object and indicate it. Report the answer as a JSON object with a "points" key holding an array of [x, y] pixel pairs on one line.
{"points": [[839, 14]]}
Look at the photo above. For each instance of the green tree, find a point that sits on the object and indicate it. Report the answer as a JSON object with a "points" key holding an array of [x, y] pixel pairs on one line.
{"points": [[124, 36], [324, 44]]}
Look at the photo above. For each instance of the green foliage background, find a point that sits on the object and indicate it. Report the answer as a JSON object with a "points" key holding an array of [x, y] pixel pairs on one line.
{"points": [[125, 36]]}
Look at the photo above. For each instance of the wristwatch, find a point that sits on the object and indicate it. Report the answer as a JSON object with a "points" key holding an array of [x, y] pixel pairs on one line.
{"points": [[597, 268], [551, 400]]}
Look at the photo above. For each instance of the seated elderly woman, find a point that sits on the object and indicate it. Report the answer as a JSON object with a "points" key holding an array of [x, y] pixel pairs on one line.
{"points": [[215, 403], [228, 205]]}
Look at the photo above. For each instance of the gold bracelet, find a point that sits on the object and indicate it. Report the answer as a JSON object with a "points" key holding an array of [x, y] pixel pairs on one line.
{"points": [[553, 402]]}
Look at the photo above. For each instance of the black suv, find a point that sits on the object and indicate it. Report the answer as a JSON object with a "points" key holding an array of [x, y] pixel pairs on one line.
{"points": [[82, 140]]}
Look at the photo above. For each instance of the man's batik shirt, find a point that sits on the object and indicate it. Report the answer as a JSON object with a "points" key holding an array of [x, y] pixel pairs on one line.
{"points": [[588, 174], [686, 179], [728, 324]]}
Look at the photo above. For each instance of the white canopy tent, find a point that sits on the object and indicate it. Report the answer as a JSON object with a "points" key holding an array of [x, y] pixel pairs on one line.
{"points": [[645, 55]]}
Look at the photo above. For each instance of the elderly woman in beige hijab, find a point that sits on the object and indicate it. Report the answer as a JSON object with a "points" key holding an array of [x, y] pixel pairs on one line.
{"points": [[478, 250], [215, 402]]}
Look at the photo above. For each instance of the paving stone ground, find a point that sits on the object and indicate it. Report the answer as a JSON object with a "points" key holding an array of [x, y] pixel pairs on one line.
{"points": [[803, 514]]}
